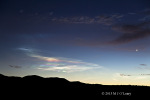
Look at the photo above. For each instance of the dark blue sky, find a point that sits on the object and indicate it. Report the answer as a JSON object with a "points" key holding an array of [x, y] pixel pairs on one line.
{"points": [[77, 39]]}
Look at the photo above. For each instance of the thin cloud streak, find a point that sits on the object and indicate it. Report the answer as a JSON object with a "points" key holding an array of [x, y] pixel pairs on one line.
{"points": [[119, 76], [12, 66], [56, 59], [101, 19], [143, 64], [68, 68]]}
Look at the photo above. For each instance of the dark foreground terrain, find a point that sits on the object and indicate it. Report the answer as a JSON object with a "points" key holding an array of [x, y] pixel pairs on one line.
{"points": [[39, 87]]}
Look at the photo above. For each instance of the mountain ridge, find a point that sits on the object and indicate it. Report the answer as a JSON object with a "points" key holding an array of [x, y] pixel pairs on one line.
{"points": [[56, 86]]}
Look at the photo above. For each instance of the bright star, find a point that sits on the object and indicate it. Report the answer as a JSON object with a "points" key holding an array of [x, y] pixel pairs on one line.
{"points": [[136, 50]]}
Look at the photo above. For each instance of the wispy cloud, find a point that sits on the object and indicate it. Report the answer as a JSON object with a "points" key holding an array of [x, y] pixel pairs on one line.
{"points": [[143, 64], [128, 32], [146, 11], [119, 76], [132, 13], [144, 74], [143, 67], [12, 66], [124, 75], [25, 49], [131, 32], [61, 64], [101, 19]]}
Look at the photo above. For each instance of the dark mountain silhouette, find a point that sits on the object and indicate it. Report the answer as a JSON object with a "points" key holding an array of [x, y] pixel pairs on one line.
{"points": [[37, 87]]}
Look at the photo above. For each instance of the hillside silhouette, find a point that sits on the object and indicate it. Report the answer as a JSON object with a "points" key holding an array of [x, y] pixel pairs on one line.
{"points": [[36, 86]]}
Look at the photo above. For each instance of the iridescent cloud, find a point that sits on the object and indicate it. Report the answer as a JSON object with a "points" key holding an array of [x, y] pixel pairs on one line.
{"points": [[68, 68], [49, 59], [60, 64], [56, 59], [64, 64]]}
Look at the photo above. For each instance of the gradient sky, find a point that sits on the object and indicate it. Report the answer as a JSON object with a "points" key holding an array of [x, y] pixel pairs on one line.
{"points": [[92, 41]]}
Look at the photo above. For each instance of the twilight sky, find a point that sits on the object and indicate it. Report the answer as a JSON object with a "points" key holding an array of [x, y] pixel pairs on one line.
{"points": [[92, 41]]}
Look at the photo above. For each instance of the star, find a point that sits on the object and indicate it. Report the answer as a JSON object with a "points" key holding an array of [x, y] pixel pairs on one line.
{"points": [[136, 50]]}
